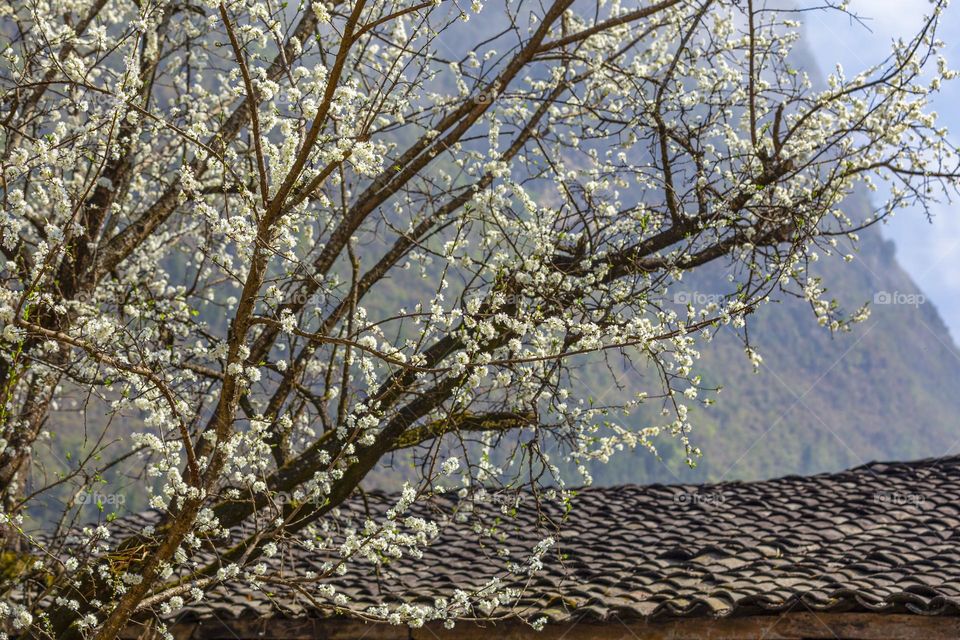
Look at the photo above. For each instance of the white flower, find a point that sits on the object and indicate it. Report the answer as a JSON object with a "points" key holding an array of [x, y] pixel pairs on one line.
{"points": [[450, 465], [22, 619], [288, 322]]}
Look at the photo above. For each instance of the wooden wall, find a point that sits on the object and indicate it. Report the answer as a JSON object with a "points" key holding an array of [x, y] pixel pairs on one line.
{"points": [[790, 626]]}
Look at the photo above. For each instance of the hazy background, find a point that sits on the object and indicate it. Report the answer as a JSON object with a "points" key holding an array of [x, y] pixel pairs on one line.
{"points": [[888, 390], [930, 253]]}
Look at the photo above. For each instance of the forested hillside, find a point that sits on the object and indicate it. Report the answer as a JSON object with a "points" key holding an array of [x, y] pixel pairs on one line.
{"points": [[885, 390], [820, 401]]}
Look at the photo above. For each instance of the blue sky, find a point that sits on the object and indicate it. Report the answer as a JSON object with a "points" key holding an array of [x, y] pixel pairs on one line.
{"points": [[930, 252]]}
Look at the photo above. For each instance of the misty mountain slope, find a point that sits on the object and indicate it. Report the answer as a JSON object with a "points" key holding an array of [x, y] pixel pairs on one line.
{"points": [[885, 390], [821, 402]]}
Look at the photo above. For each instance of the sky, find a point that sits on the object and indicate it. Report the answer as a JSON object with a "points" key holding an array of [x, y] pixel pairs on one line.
{"points": [[930, 252]]}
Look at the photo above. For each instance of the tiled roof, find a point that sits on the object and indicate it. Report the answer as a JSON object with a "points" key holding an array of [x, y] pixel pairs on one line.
{"points": [[881, 537]]}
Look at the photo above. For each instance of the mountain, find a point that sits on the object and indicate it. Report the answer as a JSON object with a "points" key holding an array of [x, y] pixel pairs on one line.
{"points": [[820, 402]]}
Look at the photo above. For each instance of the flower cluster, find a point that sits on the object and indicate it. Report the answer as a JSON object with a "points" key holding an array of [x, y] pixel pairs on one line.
{"points": [[260, 255]]}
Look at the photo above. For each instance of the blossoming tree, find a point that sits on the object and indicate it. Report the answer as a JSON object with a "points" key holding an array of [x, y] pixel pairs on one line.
{"points": [[277, 242]]}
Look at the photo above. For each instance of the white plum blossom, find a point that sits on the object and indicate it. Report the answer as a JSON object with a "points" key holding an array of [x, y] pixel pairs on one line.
{"points": [[258, 252]]}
